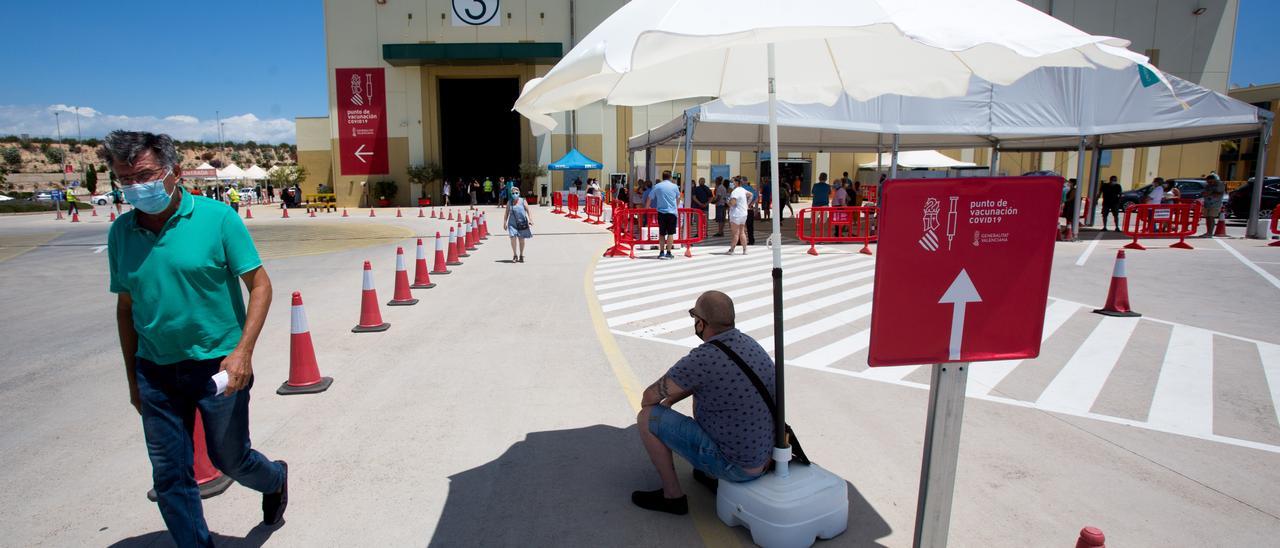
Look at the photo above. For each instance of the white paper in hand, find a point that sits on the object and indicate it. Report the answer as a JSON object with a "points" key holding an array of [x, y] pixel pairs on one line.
{"points": [[220, 382]]}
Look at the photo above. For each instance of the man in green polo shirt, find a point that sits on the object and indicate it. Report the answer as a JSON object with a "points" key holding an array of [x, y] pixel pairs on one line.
{"points": [[176, 264]]}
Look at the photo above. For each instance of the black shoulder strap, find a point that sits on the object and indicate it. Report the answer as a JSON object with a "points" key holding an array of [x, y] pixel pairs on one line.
{"points": [[746, 370]]}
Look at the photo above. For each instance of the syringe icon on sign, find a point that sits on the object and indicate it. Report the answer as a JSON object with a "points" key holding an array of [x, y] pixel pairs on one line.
{"points": [[951, 222]]}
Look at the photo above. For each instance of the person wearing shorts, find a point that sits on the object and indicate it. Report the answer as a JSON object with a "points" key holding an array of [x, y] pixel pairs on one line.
{"points": [[739, 214], [664, 197], [730, 435]]}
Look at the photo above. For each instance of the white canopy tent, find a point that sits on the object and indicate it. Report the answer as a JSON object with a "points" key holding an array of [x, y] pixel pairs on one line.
{"points": [[205, 165], [1052, 108], [1049, 109], [927, 159], [231, 172], [255, 173]]}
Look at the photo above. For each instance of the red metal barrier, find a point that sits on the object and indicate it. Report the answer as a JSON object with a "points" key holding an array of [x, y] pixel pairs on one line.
{"points": [[837, 225], [1275, 224], [639, 226], [870, 193], [1161, 221], [557, 203], [573, 206], [595, 208]]}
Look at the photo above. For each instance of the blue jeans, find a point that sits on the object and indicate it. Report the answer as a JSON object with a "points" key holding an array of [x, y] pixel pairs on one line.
{"points": [[683, 435], [170, 395]]}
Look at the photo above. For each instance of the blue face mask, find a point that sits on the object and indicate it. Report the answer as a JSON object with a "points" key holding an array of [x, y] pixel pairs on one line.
{"points": [[150, 197]]}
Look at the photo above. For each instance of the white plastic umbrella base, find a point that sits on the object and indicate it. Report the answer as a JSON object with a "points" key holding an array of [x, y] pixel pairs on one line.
{"points": [[809, 504]]}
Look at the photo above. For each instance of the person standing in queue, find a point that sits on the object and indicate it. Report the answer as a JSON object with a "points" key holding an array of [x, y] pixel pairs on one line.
{"points": [[702, 200], [516, 219], [176, 263], [233, 195], [665, 198]]}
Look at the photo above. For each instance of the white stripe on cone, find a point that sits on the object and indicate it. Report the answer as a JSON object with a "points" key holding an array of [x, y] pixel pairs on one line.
{"points": [[368, 279], [400, 261], [298, 320], [439, 242], [422, 251], [1119, 269]]}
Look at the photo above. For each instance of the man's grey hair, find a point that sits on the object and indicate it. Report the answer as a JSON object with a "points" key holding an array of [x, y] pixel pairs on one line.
{"points": [[126, 146]]}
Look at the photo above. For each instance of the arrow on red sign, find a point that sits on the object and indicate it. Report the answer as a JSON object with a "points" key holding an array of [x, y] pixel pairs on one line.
{"points": [[959, 294], [360, 154]]}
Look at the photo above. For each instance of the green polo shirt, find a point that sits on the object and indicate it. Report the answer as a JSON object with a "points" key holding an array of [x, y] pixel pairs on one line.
{"points": [[184, 281]]}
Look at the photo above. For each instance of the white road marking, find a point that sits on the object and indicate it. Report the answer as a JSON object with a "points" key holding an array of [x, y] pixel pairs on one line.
{"points": [[686, 286], [886, 374], [1265, 275], [824, 324], [99, 249], [838, 350], [985, 376], [1089, 250], [1184, 392], [1077, 386], [1270, 355]]}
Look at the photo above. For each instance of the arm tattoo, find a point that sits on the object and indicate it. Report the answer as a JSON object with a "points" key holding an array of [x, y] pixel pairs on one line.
{"points": [[662, 388]]}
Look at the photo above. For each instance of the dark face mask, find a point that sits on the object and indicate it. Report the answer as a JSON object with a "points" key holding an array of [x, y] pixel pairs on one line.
{"points": [[699, 332]]}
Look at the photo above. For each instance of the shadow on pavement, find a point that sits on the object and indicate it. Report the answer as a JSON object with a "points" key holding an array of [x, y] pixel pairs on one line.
{"points": [[573, 487], [256, 537]]}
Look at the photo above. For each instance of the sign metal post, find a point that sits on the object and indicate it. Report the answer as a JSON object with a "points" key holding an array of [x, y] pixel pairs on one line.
{"points": [[941, 453]]}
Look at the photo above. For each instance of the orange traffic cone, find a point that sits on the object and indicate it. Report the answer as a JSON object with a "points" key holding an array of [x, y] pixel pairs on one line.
{"points": [[433, 213], [312, 213], [1220, 231], [450, 215], [440, 268], [421, 279], [453, 249], [1118, 295], [462, 242], [484, 226], [1091, 537], [248, 213], [370, 316], [371, 212], [402, 295], [304, 373], [59, 217], [285, 215], [471, 234], [421, 215], [112, 218], [398, 213], [344, 212], [211, 482], [75, 216], [94, 210]]}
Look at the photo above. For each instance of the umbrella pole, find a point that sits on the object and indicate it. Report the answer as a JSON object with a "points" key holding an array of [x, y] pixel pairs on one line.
{"points": [[781, 451]]}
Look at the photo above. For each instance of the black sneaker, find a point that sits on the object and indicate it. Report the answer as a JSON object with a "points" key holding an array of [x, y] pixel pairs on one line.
{"points": [[654, 500], [707, 481], [273, 504]]}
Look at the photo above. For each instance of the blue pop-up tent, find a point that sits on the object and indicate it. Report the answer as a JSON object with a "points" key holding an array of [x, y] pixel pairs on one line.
{"points": [[574, 160]]}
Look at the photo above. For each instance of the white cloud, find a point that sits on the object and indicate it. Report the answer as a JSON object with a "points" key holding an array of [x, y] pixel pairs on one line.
{"points": [[40, 122]]}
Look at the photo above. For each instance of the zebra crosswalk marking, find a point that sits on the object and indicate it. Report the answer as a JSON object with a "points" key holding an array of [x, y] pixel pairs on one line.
{"points": [[747, 306], [1184, 394], [1175, 394], [703, 266], [684, 288], [1080, 381]]}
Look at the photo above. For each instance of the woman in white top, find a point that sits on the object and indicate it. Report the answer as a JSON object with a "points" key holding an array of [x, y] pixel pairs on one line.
{"points": [[444, 193], [739, 202]]}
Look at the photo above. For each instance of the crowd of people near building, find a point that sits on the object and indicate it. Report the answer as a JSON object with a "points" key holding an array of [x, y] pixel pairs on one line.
{"points": [[479, 191]]}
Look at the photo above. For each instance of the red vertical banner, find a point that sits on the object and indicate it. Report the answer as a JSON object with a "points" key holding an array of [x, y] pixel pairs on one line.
{"points": [[362, 120]]}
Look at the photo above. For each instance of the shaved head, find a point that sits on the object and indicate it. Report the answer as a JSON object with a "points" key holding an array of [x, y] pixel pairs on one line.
{"points": [[716, 309]]}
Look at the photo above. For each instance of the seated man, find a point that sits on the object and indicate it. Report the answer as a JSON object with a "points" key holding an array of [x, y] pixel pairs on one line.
{"points": [[730, 436]]}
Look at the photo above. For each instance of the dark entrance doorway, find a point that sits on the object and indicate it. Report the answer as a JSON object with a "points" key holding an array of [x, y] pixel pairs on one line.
{"points": [[479, 133]]}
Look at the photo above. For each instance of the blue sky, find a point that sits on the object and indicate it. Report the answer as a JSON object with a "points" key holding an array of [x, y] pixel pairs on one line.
{"points": [[260, 63]]}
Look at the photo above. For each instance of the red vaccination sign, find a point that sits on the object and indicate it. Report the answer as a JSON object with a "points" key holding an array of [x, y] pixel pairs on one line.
{"points": [[362, 120], [962, 269]]}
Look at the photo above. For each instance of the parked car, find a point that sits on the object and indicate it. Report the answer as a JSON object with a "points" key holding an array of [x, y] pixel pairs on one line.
{"points": [[1238, 200], [1189, 188], [43, 197], [4, 198], [101, 199]]}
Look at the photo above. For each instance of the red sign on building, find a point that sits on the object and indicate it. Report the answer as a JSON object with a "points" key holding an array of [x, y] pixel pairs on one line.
{"points": [[962, 269], [362, 120]]}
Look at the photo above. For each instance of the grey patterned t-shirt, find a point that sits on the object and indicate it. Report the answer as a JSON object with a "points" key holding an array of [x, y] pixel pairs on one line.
{"points": [[725, 403]]}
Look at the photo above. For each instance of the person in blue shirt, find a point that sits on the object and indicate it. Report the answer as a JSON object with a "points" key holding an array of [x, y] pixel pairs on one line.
{"points": [[821, 192], [664, 197]]}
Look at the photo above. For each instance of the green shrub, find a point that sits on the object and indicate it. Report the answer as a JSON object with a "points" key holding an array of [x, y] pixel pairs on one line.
{"points": [[385, 190], [12, 156], [16, 206], [53, 155]]}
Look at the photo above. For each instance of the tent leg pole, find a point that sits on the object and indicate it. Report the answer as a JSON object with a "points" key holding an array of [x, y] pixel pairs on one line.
{"points": [[879, 151], [893, 160], [1095, 165], [1074, 221], [688, 161], [994, 169], [1259, 177], [781, 451]]}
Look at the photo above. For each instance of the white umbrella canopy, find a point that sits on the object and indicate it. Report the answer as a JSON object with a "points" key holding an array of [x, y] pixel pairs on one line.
{"points": [[651, 51], [910, 159]]}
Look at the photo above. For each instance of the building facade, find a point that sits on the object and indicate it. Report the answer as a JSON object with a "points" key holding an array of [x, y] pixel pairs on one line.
{"points": [[450, 71]]}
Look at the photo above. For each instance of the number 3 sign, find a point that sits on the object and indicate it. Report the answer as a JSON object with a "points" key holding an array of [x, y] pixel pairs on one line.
{"points": [[476, 13]]}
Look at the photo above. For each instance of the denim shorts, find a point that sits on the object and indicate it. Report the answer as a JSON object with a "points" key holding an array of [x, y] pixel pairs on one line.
{"points": [[683, 435]]}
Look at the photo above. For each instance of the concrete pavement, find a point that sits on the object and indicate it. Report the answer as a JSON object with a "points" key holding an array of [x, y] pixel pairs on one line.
{"points": [[495, 413]]}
